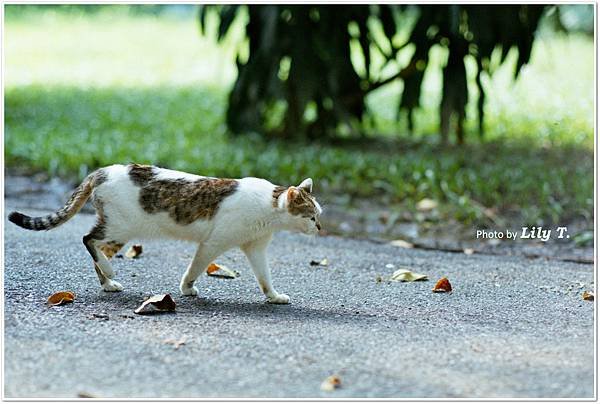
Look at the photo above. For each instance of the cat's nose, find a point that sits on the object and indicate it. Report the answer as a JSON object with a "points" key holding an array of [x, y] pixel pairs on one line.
{"points": [[318, 226]]}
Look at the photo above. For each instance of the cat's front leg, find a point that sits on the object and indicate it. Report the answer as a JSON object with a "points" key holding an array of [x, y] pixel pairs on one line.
{"points": [[256, 252], [204, 255]]}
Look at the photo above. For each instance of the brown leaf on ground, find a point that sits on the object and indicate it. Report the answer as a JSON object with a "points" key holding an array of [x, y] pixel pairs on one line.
{"points": [[176, 342], [331, 383], [60, 298], [324, 262], [405, 275], [588, 296], [134, 251], [212, 268], [155, 304], [221, 271], [442, 286]]}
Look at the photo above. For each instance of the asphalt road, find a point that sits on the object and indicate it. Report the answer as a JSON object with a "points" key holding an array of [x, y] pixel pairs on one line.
{"points": [[513, 327]]}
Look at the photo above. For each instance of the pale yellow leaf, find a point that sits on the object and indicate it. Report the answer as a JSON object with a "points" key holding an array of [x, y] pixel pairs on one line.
{"points": [[406, 275], [426, 204], [401, 244]]}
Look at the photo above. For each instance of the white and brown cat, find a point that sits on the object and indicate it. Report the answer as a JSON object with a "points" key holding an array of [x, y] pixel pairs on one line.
{"points": [[147, 202]]}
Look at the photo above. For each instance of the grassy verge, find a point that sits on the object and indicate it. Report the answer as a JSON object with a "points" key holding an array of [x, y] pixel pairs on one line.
{"points": [[86, 91], [69, 131]]}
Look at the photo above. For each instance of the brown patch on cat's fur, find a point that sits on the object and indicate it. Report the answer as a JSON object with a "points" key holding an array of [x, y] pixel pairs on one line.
{"points": [[141, 174], [300, 202], [277, 193], [110, 248], [186, 201]]}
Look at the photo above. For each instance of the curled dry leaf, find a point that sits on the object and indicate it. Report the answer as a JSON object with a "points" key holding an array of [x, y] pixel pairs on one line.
{"points": [[331, 383], [60, 298], [134, 251], [401, 244], [588, 296], [221, 271], [442, 286], [324, 262], [155, 304], [405, 275], [212, 268]]}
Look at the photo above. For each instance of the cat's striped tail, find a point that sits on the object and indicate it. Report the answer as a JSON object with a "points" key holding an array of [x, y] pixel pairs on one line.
{"points": [[75, 203]]}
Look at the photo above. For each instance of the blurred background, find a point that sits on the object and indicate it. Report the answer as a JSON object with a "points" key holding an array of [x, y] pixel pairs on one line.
{"points": [[417, 123]]}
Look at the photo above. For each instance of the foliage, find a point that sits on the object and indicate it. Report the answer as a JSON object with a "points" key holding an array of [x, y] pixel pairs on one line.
{"points": [[68, 131], [137, 92], [299, 60], [22, 10]]}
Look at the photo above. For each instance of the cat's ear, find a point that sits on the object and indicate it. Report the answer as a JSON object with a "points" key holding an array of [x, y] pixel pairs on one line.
{"points": [[306, 185], [292, 193]]}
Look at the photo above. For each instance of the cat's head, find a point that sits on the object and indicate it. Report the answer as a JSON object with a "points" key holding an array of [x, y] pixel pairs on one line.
{"points": [[302, 208]]}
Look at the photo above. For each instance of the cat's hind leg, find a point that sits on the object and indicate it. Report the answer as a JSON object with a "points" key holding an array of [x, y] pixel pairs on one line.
{"points": [[97, 247], [256, 252]]}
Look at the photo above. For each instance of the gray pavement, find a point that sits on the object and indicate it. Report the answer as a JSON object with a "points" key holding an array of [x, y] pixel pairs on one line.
{"points": [[513, 327]]}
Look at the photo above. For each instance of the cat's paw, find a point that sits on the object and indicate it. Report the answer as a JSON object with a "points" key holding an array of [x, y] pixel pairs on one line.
{"points": [[279, 298], [111, 286], [193, 291]]}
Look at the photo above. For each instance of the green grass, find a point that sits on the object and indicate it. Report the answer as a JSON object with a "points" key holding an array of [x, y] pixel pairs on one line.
{"points": [[86, 91]]}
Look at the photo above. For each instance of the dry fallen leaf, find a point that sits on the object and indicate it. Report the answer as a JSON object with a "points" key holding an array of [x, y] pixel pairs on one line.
{"points": [[442, 286], [331, 383], [221, 271], [405, 275], [212, 268], [324, 262], [155, 304], [134, 251], [426, 204], [401, 244], [60, 298], [588, 296], [176, 343]]}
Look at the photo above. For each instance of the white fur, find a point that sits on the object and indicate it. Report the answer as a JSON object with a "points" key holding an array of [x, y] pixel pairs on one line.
{"points": [[245, 219]]}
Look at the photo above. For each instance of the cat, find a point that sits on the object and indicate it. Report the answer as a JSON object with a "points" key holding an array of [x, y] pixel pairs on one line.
{"points": [[146, 202]]}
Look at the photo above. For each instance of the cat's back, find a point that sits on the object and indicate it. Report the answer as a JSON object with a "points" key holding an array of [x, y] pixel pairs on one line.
{"points": [[141, 174], [251, 193]]}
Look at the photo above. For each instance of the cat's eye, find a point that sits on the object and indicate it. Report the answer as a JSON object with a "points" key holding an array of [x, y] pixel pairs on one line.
{"points": [[313, 219]]}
